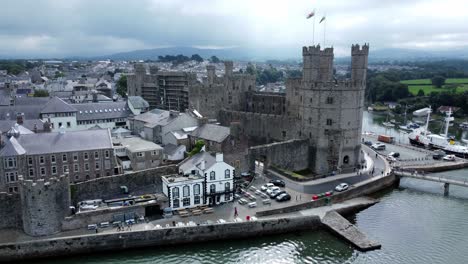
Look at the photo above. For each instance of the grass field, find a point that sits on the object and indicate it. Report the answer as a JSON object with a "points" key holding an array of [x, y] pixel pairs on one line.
{"points": [[425, 84]]}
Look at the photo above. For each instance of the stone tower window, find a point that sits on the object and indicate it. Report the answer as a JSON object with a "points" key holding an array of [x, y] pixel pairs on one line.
{"points": [[329, 122], [346, 159], [284, 133], [329, 100]]}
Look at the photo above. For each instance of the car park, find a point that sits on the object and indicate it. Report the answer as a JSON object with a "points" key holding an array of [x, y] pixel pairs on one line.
{"points": [[391, 158], [449, 158], [104, 224], [378, 146], [242, 201], [267, 186], [342, 187], [272, 189], [276, 193], [92, 227], [278, 183], [266, 201], [283, 197]]}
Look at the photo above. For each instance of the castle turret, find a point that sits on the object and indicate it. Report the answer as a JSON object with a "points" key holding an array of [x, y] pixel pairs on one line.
{"points": [[359, 64], [44, 205], [210, 69], [318, 64], [228, 66], [154, 69]]}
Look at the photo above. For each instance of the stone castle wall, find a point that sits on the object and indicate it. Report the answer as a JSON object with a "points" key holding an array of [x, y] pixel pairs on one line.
{"points": [[44, 205], [109, 187], [10, 211]]}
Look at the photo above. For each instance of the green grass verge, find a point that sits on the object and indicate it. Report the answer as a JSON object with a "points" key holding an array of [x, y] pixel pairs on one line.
{"points": [[428, 89], [428, 81]]}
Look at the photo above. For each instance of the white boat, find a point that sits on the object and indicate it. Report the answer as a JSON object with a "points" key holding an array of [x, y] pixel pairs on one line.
{"points": [[422, 112]]}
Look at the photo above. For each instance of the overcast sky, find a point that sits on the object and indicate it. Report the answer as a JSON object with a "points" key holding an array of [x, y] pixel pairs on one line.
{"points": [[58, 28]]}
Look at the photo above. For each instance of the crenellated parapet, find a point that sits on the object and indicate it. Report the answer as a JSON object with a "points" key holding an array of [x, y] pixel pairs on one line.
{"points": [[356, 49]]}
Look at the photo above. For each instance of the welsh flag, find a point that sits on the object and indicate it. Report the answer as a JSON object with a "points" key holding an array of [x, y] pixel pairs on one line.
{"points": [[311, 14], [321, 20]]}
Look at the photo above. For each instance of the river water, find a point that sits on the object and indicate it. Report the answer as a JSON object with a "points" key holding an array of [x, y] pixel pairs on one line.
{"points": [[414, 224]]}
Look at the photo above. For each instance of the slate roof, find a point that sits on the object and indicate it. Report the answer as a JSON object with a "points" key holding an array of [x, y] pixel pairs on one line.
{"points": [[94, 111], [171, 149], [195, 160], [12, 148], [138, 102], [211, 132], [5, 125], [155, 117], [44, 143], [4, 98], [57, 105]]}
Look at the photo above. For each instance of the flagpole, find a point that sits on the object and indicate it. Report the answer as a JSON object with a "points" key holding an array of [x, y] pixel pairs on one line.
{"points": [[313, 30], [324, 30]]}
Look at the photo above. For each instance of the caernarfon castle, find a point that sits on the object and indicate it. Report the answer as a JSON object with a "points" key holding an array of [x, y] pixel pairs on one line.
{"points": [[325, 112]]}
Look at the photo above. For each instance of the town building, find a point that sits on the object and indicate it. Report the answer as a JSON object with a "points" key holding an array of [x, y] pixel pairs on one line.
{"points": [[203, 179], [142, 154], [216, 138], [156, 125], [174, 152], [83, 155]]}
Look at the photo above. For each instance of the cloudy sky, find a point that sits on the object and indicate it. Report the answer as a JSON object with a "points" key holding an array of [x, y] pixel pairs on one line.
{"points": [[47, 28]]}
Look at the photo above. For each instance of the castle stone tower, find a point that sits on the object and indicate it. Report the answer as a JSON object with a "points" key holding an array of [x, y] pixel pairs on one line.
{"points": [[210, 70], [44, 205], [228, 67], [318, 64]]}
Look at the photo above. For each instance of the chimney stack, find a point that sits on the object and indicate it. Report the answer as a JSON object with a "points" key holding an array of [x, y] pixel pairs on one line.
{"points": [[19, 118], [219, 157]]}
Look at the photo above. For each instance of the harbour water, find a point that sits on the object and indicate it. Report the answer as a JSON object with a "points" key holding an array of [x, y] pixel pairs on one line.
{"points": [[414, 223]]}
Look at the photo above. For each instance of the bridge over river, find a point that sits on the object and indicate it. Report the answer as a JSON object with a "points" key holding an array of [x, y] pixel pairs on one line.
{"points": [[445, 181]]}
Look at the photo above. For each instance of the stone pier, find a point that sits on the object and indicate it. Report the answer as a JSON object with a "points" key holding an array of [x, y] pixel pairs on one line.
{"points": [[343, 228]]}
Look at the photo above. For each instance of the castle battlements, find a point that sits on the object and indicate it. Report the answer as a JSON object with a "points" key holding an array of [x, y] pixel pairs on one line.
{"points": [[315, 50], [357, 50], [41, 183]]}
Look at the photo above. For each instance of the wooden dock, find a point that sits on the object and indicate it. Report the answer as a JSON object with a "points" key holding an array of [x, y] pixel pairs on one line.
{"points": [[343, 228]]}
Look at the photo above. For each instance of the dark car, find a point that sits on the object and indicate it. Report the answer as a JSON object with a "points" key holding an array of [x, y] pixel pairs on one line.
{"points": [[394, 154], [438, 154], [368, 143], [278, 183], [283, 197], [276, 194]]}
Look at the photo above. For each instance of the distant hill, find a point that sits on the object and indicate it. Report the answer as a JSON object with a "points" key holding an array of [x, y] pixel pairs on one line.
{"points": [[417, 55]]}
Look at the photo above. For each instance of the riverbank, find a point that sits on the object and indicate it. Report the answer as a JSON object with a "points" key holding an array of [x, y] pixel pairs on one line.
{"points": [[84, 244]]}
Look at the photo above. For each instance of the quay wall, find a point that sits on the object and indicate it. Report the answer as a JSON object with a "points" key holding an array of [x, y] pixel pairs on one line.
{"points": [[156, 237], [360, 189], [109, 187]]}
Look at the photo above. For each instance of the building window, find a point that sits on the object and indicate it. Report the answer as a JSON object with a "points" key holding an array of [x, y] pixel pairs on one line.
{"points": [[212, 176], [227, 187], [196, 200], [186, 191], [346, 159], [284, 133], [227, 197], [65, 168], [43, 171], [77, 177], [41, 159], [140, 154], [175, 192], [98, 175], [31, 172], [186, 202], [75, 156], [96, 155], [310, 120], [97, 165], [329, 122], [60, 124], [212, 188], [54, 170], [175, 203], [329, 100], [64, 157], [227, 174], [86, 167], [10, 163], [76, 167], [106, 153], [196, 189], [86, 156], [154, 153], [30, 161], [11, 176]]}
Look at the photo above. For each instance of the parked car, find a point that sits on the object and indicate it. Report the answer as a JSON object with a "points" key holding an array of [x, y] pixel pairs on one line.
{"points": [[283, 197], [378, 146], [273, 189], [449, 158], [267, 186], [246, 174], [394, 154], [368, 143], [278, 183], [252, 204], [275, 194], [341, 187], [438, 154], [92, 227]]}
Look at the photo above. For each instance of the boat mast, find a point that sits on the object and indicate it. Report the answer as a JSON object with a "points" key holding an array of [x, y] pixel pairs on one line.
{"points": [[447, 121], [427, 121]]}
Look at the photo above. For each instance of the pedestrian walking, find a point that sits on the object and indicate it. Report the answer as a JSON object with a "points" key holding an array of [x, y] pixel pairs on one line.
{"points": [[235, 212]]}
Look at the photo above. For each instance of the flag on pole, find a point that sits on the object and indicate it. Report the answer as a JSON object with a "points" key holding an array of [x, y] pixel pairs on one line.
{"points": [[311, 14], [321, 20]]}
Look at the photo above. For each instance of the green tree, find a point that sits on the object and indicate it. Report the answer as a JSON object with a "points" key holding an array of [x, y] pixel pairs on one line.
{"points": [[215, 59], [421, 92], [196, 57], [438, 81], [197, 148], [59, 74], [251, 69], [122, 85], [41, 93]]}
